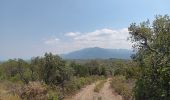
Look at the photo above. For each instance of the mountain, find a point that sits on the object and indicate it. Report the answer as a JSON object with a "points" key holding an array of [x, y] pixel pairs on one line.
{"points": [[98, 53]]}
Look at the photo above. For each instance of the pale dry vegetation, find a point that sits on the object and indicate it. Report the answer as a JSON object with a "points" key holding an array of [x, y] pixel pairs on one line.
{"points": [[99, 85], [122, 87]]}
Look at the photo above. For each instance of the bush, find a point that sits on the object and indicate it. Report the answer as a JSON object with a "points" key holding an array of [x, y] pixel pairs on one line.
{"points": [[34, 91], [99, 86], [53, 95], [8, 91], [120, 85]]}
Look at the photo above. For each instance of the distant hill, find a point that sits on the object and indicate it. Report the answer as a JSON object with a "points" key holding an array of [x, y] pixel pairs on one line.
{"points": [[98, 53]]}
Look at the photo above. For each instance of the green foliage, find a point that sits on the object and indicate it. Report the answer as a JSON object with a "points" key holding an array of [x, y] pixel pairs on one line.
{"points": [[128, 69], [80, 70], [51, 69], [96, 68], [62, 78], [9, 68], [36, 68], [152, 42], [52, 95], [53, 64], [15, 78], [15, 70], [23, 71], [92, 67]]}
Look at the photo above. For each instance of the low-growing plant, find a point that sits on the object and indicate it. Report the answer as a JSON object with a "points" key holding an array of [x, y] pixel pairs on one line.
{"points": [[34, 91], [10, 97], [121, 86], [8, 91], [99, 86], [53, 95]]}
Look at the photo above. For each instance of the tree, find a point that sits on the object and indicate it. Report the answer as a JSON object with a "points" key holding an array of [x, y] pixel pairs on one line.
{"points": [[52, 65], [79, 70], [94, 67], [16, 69], [23, 71], [152, 43], [35, 68], [9, 68], [54, 70]]}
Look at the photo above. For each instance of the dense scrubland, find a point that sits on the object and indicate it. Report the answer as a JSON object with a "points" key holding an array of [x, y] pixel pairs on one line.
{"points": [[51, 77], [145, 77]]}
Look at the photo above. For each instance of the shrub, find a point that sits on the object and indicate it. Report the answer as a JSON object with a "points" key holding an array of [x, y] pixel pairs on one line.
{"points": [[53, 95], [8, 91], [34, 91], [99, 86], [120, 85]]}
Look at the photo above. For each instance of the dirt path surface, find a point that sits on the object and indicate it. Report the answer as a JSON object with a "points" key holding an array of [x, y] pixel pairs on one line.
{"points": [[87, 93], [106, 93]]}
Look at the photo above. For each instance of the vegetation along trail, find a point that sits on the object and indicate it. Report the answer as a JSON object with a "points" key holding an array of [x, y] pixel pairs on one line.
{"points": [[87, 93]]}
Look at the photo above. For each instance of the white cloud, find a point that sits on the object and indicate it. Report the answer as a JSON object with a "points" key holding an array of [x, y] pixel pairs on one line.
{"points": [[105, 38], [52, 41], [72, 34], [95, 35]]}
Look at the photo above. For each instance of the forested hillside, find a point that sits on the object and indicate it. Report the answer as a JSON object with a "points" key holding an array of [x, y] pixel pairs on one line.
{"points": [[99, 53]]}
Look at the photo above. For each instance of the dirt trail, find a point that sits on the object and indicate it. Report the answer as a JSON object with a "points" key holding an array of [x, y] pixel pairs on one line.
{"points": [[106, 93], [84, 94], [87, 93]]}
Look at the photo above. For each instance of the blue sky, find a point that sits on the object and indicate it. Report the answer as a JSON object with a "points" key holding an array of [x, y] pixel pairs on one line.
{"points": [[32, 27]]}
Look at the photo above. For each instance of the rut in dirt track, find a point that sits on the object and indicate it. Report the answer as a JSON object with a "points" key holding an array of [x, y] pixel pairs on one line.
{"points": [[87, 93]]}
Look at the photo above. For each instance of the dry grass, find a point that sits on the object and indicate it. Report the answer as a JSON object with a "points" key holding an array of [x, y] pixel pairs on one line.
{"points": [[120, 85], [34, 91], [16, 91], [99, 86], [9, 97], [7, 91]]}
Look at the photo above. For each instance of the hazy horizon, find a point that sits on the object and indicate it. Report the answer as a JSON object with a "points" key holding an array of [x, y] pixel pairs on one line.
{"points": [[28, 58]]}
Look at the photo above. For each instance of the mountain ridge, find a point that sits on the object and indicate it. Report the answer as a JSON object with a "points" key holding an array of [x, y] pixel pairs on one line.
{"points": [[98, 53]]}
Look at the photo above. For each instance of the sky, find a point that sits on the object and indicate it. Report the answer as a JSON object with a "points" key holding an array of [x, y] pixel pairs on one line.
{"points": [[32, 27]]}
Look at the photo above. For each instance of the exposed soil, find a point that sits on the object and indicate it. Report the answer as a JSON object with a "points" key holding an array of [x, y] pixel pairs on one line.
{"points": [[87, 93]]}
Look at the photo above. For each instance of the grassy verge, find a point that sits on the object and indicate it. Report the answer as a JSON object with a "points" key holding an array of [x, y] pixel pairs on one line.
{"points": [[122, 87]]}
